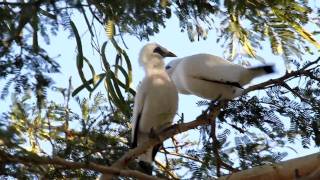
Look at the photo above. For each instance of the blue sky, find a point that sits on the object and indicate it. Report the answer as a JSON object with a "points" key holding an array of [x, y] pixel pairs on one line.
{"points": [[169, 37]]}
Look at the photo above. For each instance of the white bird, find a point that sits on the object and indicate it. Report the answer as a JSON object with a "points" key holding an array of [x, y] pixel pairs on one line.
{"points": [[212, 77], [155, 103]]}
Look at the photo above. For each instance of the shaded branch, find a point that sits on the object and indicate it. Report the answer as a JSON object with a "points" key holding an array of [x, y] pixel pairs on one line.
{"points": [[216, 147], [34, 159], [294, 92]]}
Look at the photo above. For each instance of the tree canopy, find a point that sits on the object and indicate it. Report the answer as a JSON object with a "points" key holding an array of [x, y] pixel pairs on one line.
{"points": [[100, 141]]}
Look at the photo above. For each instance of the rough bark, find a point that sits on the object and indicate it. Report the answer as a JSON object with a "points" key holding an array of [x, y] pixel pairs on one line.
{"points": [[302, 168]]}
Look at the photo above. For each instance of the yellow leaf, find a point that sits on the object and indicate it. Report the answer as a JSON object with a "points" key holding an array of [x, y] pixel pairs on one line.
{"points": [[96, 78], [305, 34], [234, 47], [279, 48], [110, 29], [247, 47]]}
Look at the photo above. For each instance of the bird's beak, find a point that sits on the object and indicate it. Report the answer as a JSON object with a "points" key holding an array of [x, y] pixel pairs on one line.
{"points": [[169, 54]]}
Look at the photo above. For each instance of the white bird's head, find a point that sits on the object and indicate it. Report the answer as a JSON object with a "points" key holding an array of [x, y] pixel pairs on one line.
{"points": [[170, 67], [152, 54]]}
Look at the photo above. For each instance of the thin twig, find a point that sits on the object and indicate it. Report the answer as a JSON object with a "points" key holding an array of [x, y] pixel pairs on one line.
{"points": [[215, 146], [185, 156], [168, 171]]}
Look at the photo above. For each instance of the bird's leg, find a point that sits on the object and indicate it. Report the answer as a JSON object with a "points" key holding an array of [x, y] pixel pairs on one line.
{"points": [[153, 134]]}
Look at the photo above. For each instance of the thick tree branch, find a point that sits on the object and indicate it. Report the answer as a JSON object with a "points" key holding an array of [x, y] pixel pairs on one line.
{"points": [[34, 159], [306, 166]]}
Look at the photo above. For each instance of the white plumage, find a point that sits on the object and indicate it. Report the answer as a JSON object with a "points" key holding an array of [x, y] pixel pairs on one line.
{"points": [[212, 77], [156, 101]]}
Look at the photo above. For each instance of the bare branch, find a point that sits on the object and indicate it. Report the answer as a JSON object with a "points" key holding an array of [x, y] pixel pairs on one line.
{"points": [[7, 158], [294, 92], [215, 144], [307, 166]]}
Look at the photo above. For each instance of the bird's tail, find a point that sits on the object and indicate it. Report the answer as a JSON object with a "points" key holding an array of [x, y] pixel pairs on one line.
{"points": [[262, 70]]}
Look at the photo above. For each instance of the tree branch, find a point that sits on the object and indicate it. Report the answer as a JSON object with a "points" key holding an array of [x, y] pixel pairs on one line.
{"points": [[307, 166], [294, 92], [216, 144], [34, 159]]}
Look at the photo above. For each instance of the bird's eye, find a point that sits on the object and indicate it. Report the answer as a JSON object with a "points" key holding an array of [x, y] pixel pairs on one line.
{"points": [[168, 67], [159, 51]]}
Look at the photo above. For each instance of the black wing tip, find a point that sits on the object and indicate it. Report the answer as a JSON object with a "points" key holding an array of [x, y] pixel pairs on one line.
{"points": [[134, 140], [269, 69]]}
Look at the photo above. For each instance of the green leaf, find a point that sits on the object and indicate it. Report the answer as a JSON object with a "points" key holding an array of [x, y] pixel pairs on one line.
{"points": [[104, 58], [115, 94], [126, 76], [82, 76], [99, 77], [129, 66], [90, 67], [79, 45]]}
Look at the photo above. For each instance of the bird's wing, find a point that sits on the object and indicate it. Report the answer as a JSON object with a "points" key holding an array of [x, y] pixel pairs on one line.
{"points": [[137, 112], [212, 68], [228, 83]]}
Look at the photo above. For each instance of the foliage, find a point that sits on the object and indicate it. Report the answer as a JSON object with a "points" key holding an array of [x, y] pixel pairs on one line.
{"points": [[35, 128]]}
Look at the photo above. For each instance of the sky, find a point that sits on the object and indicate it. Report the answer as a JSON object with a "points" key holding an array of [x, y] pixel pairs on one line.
{"points": [[170, 37]]}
